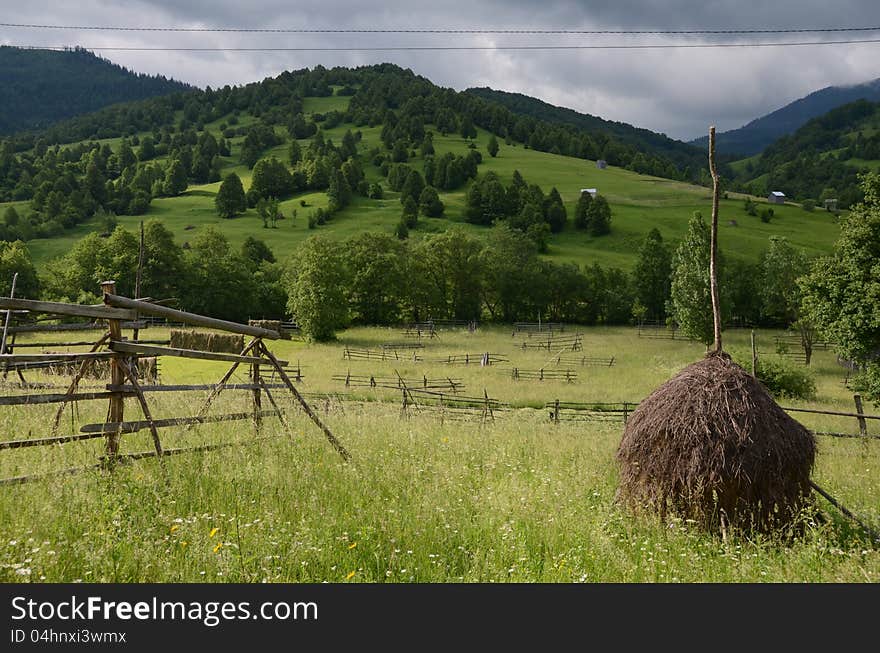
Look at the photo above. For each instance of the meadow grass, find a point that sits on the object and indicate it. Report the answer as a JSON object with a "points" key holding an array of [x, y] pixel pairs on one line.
{"points": [[424, 500]]}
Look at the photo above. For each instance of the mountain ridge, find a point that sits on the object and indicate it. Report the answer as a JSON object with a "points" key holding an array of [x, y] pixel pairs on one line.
{"points": [[44, 87], [755, 136]]}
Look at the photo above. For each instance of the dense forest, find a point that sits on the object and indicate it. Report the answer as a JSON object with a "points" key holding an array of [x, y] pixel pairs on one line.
{"points": [[42, 87], [815, 162], [651, 144]]}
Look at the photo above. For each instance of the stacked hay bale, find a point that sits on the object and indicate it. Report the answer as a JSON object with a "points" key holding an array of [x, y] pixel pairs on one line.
{"points": [[272, 325], [228, 343], [147, 369]]}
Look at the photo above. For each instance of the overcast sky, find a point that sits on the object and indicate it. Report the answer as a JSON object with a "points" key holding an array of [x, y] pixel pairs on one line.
{"points": [[675, 91]]}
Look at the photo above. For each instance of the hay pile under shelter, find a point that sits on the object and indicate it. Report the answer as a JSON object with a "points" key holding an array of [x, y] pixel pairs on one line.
{"points": [[711, 441], [207, 341], [147, 369], [272, 325]]}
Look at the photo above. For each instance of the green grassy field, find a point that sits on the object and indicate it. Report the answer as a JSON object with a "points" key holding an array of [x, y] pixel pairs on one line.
{"points": [[639, 203], [425, 499]]}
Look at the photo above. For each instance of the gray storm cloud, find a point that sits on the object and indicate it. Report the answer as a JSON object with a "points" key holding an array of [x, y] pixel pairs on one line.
{"points": [[675, 91]]}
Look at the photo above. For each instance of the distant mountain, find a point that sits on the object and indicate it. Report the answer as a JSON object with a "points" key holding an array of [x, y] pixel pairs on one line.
{"points": [[682, 154], [822, 159], [759, 133], [42, 87]]}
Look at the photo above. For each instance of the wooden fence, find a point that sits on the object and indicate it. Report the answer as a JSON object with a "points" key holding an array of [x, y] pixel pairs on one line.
{"points": [[398, 382], [484, 359], [352, 354], [573, 342], [570, 411], [859, 415], [537, 327], [450, 407], [660, 332], [124, 383], [569, 376], [584, 361]]}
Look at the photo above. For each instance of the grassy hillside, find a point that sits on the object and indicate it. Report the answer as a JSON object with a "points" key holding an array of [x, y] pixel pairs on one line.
{"points": [[824, 157], [638, 203]]}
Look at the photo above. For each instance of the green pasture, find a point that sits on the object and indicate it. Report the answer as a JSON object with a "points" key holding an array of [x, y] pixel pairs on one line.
{"points": [[424, 499]]}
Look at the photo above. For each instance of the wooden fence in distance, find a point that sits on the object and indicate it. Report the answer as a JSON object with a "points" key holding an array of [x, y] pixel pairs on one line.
{"points": [[537, 327], [569, 376], [398, 383], [572, 342], [584, 361], [353, 354], [571, 411], [450, 407]]}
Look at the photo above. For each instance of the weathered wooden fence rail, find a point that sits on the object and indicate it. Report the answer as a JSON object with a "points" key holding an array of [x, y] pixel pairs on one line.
{"points": [[537, 327], [584, 361], [451, 407], [573, 342], [569, 376], [370, 381], [571, 411], [123, 356]]}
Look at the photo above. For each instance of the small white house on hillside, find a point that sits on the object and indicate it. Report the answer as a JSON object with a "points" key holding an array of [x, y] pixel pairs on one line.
{"points": [[601, 164], [776, 197]]}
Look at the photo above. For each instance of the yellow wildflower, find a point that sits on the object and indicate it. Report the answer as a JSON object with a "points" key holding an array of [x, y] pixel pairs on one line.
{"points": [[350, 575], [352, 545], [217, 548], [175, 527], [213, 532]]}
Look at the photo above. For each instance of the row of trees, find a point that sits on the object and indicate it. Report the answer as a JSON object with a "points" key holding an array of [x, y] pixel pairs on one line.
{"points": [[206, 276], [377, 279]]}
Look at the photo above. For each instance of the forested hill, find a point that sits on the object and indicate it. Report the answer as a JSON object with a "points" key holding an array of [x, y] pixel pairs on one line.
{"points": [[761, 132], [42, 87], [682, 154], [820, 160]]}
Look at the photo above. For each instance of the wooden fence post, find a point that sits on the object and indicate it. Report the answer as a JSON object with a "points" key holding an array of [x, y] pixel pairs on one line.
{"points": [[257, 399], [754, 356], [863, 424], [556, 412], [117, 377]]}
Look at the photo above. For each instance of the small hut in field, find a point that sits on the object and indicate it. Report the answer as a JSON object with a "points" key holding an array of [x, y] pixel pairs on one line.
{"points": [[711, 445], [776, 197]]}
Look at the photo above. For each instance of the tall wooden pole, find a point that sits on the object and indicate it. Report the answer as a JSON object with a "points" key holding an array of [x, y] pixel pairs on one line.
{"points": [[117, 378], [713, 257]]}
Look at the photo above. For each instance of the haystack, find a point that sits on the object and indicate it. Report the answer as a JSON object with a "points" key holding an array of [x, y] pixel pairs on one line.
{"points": [[711, 444], [711, 441], [228, 343]]}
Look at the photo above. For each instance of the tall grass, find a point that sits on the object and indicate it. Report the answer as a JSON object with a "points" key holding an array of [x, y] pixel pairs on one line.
{"points": [[517, 500]]}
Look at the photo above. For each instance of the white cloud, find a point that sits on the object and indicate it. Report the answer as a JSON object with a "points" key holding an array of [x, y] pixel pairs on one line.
{"points": [[677, 91]]}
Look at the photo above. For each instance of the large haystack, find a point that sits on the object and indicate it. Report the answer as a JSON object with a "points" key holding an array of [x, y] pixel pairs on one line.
{"points": [[712, 441]]}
